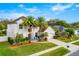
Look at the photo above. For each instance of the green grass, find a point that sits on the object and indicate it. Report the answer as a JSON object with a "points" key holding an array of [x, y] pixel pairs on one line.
{"points": [[6, 50], [58, 52], [76, 43], [65, 40], [68, 40]]}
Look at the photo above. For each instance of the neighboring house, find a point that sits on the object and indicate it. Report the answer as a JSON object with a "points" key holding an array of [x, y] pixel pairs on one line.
{"points": [[51, 33], [77, 31]]}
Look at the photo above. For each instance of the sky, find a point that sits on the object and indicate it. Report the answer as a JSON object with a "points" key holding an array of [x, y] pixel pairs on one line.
{"points": [[63, 11]]}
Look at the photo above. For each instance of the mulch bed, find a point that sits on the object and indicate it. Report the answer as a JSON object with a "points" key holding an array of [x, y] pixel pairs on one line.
{"points": [[22, 44]]}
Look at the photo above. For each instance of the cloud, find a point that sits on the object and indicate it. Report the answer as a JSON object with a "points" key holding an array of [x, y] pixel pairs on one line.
{"points": [[76, 5], [32, 10], [59, 7], [21, 5], [11, 15]]}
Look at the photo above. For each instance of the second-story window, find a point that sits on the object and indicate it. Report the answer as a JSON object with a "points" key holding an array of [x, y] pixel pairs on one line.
{"points": [[20, 26]]}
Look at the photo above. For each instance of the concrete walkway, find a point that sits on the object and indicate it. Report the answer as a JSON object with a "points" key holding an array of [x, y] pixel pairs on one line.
{"points": [[73, 48], [74, 41], [45, 51]]}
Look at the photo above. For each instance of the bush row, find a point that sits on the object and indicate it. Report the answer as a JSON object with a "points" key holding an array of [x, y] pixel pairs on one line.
{"points": [[16, 40]]}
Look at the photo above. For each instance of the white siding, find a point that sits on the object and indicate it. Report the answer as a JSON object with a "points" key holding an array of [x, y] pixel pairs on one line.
{"points": [[19, 21], [51, 33], [12, 30], [76, 32], [24, 32], [35, 30]]}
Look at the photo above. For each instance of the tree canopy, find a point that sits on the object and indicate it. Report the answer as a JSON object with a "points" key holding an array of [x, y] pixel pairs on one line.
{"points": [[75, 24], [58, 22], [70, 31]]}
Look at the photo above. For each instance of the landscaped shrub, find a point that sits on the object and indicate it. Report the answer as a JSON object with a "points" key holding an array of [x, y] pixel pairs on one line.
{"points": [[45, 39], [19, 38], [26, 38], [75, 37], [45, 35], [55, 37], [10, 40]]}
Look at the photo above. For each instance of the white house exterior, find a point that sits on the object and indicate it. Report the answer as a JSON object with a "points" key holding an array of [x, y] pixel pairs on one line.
{"points": [[14, 29], [51, 33], [77, 31]]}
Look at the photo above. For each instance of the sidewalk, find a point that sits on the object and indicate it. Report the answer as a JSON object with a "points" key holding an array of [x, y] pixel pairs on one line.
{"points": [[45, 51], [74, 41], [72, 47]]}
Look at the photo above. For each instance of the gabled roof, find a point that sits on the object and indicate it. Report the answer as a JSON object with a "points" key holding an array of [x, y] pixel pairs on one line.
{"points": [[50, 30], [22, 17], [14, 22]]}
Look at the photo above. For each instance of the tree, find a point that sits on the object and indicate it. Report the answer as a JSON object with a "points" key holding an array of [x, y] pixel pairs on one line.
{"points": [[58, 22], [42, 23], [2, 26], [62, 23], [75, 25], [52, 22], [36, 23], [70, 32], [29, 21]]}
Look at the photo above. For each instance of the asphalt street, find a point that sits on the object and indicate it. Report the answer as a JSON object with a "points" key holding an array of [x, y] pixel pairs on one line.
{"points": [[75, 53]]}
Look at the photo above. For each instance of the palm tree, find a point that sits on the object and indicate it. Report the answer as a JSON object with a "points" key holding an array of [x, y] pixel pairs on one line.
{"points": [[42, 23], [29, 22]]}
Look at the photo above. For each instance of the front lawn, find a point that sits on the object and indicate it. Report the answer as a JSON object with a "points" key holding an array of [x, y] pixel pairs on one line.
{"points": [[76, 43], [58, 52], [68, 40], [7, 50]]}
